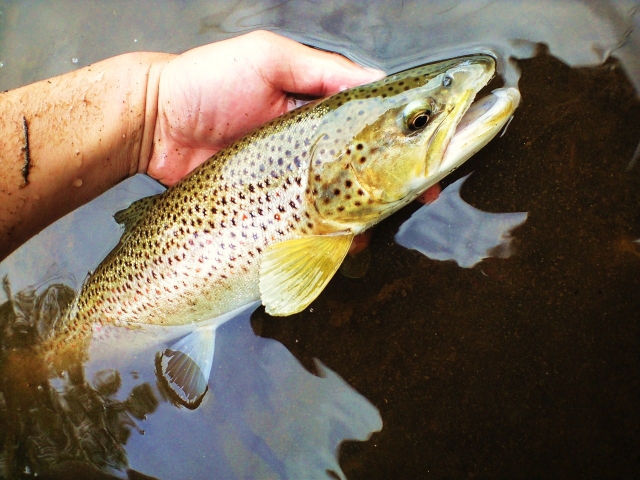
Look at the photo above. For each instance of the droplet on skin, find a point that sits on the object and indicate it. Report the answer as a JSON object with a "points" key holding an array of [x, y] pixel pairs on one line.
{"points": [[77, 182]]}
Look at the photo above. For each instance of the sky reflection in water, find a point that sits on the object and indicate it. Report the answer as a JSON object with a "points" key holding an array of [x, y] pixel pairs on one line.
{"points": [[390, 35], [451, 229]]}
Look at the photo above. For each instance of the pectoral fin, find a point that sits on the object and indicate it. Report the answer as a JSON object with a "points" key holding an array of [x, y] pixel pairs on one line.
{"points": [[294, 272]]}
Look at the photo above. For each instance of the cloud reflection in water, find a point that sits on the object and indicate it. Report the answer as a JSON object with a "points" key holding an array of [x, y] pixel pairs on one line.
{"points": [[451, 229]]}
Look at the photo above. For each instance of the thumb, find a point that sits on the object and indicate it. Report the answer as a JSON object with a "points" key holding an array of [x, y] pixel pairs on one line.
{"points": [[296, 68]]}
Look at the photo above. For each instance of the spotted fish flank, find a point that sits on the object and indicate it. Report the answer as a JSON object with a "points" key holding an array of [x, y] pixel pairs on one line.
{"points": [[272, 216]]}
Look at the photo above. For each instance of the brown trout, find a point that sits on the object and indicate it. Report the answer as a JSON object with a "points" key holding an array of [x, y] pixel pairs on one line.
{"points": [[272, 216]]}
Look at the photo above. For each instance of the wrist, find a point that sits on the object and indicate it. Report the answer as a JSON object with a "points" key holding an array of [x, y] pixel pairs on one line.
{"points": [[140, 160]]}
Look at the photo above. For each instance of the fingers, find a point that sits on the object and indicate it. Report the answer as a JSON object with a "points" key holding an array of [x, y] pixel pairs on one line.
{"points": [[294, 68], [213, 94]]}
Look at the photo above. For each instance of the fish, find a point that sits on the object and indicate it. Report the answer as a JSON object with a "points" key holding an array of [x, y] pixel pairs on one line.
{"points": [[271, 217]]}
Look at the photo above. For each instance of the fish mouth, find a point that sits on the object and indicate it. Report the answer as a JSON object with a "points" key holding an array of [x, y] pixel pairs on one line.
{"points": [[482, 121]]}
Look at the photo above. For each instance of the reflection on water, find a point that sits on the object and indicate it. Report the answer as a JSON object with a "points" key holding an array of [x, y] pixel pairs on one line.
{"points": [[45, 424], [390, 35], [264, 417], [451, 229]]}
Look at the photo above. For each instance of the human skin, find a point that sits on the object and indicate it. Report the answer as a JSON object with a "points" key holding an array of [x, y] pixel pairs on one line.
{"points": [[143, 112]]}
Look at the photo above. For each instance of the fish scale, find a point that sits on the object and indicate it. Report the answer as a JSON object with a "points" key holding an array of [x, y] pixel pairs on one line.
{"points": [[272, 216]]}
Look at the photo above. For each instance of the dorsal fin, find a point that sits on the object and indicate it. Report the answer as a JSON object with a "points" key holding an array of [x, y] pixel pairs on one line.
{"points": [[134, 212], [131, 215]]}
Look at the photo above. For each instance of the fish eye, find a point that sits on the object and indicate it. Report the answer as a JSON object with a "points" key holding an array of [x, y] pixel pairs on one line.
{"points": [[419, 120], [417, 115], [447, 81]]}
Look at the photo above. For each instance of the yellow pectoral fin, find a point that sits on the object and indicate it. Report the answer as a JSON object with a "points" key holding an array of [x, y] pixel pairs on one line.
{"points": [[294, 272]]}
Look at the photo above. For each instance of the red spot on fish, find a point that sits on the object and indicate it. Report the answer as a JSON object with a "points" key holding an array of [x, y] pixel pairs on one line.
{"points": [[430, 195]]}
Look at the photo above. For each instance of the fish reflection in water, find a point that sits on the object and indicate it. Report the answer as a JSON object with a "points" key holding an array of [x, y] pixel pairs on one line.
{"points": [[451, 229], [69, 419], [264, 414]]}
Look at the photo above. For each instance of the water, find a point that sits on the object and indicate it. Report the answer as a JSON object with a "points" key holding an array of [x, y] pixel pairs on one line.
{"points": [[451, 229], [519, 366]]}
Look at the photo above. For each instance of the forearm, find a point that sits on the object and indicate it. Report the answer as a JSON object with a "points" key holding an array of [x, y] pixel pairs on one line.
{"points": [[65, 140]]}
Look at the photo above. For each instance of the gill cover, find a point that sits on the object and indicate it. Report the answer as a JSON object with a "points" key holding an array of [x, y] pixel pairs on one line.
{"points": [[379, 143]]}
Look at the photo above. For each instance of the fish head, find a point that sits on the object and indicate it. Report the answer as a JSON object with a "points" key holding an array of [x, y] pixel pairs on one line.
{"points": [[380, 145]]}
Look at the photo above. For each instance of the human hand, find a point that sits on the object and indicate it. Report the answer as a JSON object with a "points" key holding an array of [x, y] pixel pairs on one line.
{"points": [[212, 95]]}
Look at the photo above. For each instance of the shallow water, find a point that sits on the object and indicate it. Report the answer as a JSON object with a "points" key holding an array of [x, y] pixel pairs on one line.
{"points": [[519, 366]]}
